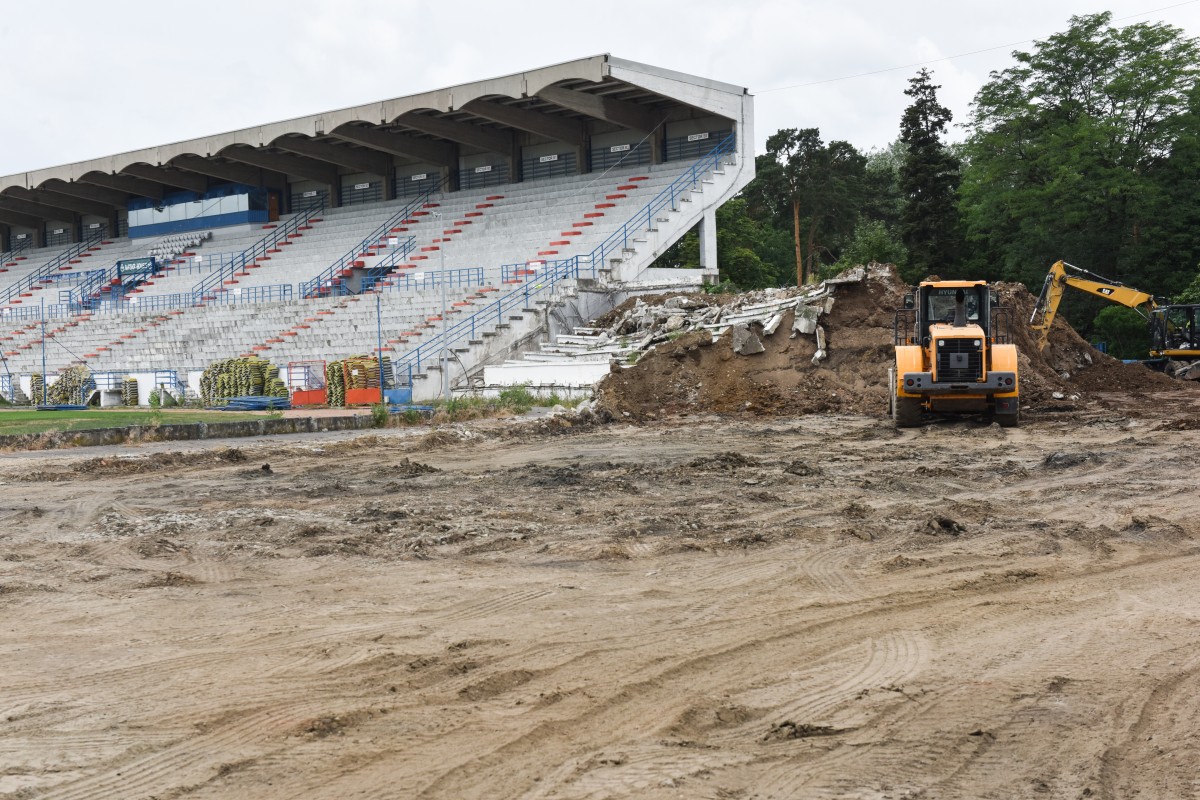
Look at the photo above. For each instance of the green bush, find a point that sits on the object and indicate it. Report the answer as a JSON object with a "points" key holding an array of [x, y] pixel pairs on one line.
{"points": [[379, 415], [517, 398], [1125, 331]]}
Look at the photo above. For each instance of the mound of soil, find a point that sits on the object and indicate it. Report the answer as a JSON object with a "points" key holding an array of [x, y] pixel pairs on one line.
{"points": [[695, 373]]}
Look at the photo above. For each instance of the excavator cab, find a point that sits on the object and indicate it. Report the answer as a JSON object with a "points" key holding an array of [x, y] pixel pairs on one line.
{"points": [[1173, 331]]}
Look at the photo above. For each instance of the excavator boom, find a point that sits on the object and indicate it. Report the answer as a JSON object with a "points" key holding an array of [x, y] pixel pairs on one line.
{"points": [[1059, 278]]}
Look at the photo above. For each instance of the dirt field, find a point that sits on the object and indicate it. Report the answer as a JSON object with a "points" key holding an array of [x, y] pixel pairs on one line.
{"points": [[699, 607]]}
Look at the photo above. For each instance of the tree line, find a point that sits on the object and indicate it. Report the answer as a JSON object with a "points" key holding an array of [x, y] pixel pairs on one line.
{"points": [[1087, 149]]}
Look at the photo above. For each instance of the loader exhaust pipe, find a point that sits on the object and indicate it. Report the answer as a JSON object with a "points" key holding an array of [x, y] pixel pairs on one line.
{"points": [[960, 309]]}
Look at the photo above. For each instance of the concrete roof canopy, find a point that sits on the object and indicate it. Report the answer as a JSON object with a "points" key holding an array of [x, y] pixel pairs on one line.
{"points": [[556, 102]]}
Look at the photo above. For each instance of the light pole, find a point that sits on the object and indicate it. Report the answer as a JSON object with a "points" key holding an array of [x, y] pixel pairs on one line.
{"points": [[43, 351], [445, 338]]}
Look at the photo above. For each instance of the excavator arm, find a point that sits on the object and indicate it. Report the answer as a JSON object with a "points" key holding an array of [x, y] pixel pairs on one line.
{"points": [[1059, 278]]}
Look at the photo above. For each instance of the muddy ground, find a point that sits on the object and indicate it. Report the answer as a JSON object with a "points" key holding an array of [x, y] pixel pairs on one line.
{"points": [[740, 606]]}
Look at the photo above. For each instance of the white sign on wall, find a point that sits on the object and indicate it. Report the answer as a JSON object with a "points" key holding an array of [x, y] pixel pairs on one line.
{"points": [[618, 148], [312, 193], [420, 176], [362, 186], [546, 159], [697, 137], [488, 168], [94, 225], [57, 231]]}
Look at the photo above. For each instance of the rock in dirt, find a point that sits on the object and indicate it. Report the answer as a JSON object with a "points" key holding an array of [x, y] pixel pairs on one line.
{"points": [[939, 524], [783, 731], [745, 343]]}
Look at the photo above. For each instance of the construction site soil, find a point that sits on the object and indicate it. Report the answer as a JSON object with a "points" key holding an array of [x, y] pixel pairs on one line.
{"points": [[752, 586]]}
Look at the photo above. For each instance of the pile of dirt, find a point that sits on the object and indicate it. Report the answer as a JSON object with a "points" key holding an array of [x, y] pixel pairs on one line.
{"points": [[694, 372]]}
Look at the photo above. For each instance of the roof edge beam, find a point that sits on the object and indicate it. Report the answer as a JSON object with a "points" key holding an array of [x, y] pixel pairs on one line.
{"points": [[573, 132], [399, 144], [169, 177], [70, 204], [44, 212], [222, 171], [370, 161], [461, 132], [124, 183], [609, 109], [299, 166], [110, 197], [17, 218]]}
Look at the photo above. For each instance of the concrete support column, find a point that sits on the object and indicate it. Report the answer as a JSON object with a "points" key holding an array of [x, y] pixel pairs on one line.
{"points": [[389, 185], [451, 172], [708, 244]]}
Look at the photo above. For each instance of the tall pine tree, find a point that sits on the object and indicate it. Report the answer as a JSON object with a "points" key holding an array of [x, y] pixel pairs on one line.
{"points": [[929, 175]]}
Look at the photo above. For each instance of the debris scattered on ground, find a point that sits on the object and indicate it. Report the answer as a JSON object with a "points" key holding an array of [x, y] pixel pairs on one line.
{"points": [[826, 349]]}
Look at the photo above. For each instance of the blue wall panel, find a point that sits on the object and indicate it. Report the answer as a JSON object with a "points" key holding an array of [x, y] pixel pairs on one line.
{"points": [[197, 223]]}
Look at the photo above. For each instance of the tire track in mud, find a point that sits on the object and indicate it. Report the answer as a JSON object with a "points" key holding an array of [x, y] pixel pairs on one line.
{"points": [[1157, 751], [614, 717], [887, 661], [194, 759], [492, 605]]}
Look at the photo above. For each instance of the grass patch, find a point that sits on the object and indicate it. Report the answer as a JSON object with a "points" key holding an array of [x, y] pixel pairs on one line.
{"points": [[513, 400], [15, 422]]}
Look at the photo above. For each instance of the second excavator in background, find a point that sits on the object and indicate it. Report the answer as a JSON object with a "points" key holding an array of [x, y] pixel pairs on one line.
{"points": [[1174, 327]]}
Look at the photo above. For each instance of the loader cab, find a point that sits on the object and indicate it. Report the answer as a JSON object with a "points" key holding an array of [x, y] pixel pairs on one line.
{"points": [[938, 303]]}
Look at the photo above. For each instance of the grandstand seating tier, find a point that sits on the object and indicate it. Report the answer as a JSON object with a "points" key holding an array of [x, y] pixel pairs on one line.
{"points": [[485, 228]]}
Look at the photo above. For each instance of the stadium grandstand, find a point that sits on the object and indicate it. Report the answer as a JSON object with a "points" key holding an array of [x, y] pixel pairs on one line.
{"points": [[443, 230]]}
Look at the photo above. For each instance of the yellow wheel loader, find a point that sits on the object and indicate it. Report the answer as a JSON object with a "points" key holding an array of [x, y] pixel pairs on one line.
{"points": [[954, 354]]}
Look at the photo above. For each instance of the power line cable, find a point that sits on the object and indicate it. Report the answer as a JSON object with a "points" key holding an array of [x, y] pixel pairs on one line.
{"points": [[951, 58]]}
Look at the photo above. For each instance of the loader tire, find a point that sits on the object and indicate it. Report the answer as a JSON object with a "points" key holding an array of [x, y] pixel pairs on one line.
{"points": [[1010, 420], [906, 411]]}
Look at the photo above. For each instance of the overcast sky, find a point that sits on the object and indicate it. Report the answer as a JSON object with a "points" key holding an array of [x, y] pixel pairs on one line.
{"points": [[83, 80]]}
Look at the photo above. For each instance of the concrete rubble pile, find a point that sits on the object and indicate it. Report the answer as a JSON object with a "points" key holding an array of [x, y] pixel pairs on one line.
{"points": [[647, 324]]}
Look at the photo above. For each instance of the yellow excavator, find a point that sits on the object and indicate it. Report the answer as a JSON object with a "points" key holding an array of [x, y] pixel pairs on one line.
{"points": [[1174, 328]]}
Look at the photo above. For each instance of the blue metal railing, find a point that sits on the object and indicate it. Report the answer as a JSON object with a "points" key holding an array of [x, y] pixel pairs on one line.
{"points": [[46, 273], [96, 286], [411, 281], [549, 277], [198, 263], [668, 198], [330, 280], [24, 245], [88, 287], [214, 283], [545, 276], [170, 379]]}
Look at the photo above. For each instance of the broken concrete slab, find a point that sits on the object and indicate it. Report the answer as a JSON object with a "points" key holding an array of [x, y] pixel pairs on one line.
{"points": [[819, 356], [806, 319], [745, 342]]}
